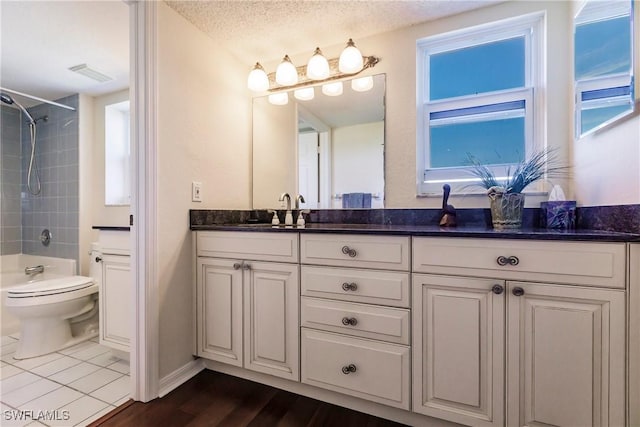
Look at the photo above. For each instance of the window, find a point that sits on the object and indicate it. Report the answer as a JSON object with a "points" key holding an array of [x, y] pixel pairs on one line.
{"points": [[603, 69], [479, 94], [117, 165]]}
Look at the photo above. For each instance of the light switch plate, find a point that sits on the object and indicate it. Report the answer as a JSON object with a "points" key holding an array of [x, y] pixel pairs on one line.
{"points": [[196, 191]]}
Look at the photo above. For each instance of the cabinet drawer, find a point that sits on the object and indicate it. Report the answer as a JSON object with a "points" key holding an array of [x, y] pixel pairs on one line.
{"points": [[349, 284], [363, 320], [379, 371], [591, 264], [240, 245], [382, 252]]}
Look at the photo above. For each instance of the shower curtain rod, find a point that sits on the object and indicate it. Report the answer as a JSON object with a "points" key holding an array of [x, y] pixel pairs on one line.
{"points": [[57, 104]]}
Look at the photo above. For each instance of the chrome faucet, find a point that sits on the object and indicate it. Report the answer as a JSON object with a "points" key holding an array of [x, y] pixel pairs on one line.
{"points": [[288, 218], [299, 200], [36, 269]]}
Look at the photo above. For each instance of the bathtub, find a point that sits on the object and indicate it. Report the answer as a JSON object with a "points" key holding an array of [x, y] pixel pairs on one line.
{"points": [[12, 274]]}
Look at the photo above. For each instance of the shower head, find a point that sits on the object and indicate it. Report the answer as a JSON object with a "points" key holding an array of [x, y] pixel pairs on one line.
{"points": [[7, 99]]}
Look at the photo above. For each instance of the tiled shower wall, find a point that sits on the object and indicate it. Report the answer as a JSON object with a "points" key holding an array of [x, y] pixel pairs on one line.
{"points": [[56, 207], [10, 181]]}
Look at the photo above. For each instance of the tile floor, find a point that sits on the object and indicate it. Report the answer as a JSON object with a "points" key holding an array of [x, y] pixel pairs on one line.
{"points": [[72, 387]]}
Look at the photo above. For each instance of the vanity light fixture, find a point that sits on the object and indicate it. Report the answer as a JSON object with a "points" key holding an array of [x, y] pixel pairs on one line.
{"points": [[286, 73], [362, 84], [318, 66], [304, 94], [280, 98], [350, 59], [332, 89], [258, 80], [318, 70]]}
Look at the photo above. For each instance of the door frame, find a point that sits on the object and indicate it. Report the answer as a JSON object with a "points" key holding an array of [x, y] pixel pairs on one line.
{"points": [[143, 94]]}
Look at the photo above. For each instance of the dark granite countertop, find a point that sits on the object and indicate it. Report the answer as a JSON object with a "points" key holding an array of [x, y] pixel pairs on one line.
{"points": [[433, 231]]}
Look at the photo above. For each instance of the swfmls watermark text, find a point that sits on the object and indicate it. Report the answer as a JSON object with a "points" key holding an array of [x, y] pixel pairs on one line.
{"points": [[35, 415]]}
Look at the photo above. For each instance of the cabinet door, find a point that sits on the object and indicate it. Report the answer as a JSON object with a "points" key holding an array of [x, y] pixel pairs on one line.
{"points": [[458, 349], [271, 310], [219, 310], [565, 357], [115, 302]]}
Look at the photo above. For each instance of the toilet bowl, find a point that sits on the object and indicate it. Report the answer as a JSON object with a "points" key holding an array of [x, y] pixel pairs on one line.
{"points": [[54, 314]]}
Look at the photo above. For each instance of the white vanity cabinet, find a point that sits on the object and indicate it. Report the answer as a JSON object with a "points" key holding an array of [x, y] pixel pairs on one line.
{"points": [[355, 316], [247, 305], [111, 268], [550, 316]]}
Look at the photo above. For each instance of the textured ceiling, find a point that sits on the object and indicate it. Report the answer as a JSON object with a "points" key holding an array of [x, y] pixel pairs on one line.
{"points": [[263, 30]]}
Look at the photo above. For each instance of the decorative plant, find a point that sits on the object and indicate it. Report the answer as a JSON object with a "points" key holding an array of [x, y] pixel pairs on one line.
{"points": [[541, 164]]}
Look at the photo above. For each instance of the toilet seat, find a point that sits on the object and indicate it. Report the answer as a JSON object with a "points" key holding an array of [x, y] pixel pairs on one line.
{"points": [[51, 287]]}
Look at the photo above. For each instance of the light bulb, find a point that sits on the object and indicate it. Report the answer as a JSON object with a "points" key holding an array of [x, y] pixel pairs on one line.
{"points": [[280, 98], [304, 94], [258, 80], [318, 66], [286, 73], [332, 89], [350, 59], [362, 84]]}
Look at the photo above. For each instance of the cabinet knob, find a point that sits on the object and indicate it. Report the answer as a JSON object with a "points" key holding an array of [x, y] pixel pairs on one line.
{"points": [[349, 369], [511, 260], [246, 266], [98, 259], [497, 289], [349, 321], [237, 265], [349, 286], [518, 291], [349, 251]]}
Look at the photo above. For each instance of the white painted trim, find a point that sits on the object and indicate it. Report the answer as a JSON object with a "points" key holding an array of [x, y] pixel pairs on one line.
{"points": [[339, 399], [633, 336], [180, 376], [144, 344]]}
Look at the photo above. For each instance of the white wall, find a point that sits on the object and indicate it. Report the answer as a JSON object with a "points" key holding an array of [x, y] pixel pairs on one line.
{"points": [[397, 51], [86, 148], [358, 161], [204, 134], [100, 213]]}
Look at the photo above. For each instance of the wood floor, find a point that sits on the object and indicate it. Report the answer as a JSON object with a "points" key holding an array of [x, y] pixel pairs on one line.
{"points": [[215, 399]]}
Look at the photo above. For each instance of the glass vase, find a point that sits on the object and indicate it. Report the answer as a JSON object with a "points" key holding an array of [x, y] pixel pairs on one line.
{"points": [[507, 210]]}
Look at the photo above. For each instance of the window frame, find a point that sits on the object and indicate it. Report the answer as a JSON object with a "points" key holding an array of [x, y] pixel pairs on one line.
{"points": [[429, 180]]}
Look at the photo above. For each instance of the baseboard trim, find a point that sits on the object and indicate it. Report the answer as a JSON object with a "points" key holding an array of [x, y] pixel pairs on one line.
{"points": [[180, 376]]}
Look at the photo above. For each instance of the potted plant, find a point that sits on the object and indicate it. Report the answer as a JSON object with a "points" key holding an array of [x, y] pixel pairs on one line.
{"points": [[507, 199]]}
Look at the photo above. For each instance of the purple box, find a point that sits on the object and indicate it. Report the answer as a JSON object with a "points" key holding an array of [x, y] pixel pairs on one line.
{"points": [[558, 215]]}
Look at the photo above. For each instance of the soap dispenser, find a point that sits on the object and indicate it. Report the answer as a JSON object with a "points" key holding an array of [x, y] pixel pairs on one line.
{"points": [[275, 221]]}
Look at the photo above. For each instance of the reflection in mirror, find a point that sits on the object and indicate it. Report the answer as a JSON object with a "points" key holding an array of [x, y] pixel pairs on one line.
{"points": [[330, 149], [603, 46]]}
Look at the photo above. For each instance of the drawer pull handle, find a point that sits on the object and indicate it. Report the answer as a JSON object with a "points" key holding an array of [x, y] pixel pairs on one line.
{"points": [[518, 291], [348, 251], [503, 260], [349, 321], [349, 369], [237, 265], [349, 286], [497, 289]]}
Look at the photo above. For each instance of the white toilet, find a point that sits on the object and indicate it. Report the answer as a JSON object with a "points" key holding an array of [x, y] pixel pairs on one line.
{"points": [[54, 314]]}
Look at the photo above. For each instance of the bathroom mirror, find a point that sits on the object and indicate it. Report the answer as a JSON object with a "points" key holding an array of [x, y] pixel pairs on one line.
{"points": [[330, 149], [603, 64]]}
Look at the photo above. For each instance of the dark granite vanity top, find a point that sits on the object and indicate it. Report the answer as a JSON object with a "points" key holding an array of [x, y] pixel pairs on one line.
{"points": [[111, 228], [415, 222], [433, 231]]}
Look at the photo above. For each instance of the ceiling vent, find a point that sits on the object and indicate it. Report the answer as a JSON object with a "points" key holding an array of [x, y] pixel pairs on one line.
{"points": [[91, 73]]}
